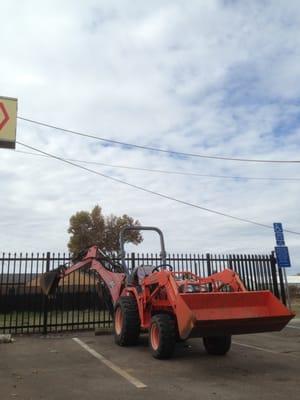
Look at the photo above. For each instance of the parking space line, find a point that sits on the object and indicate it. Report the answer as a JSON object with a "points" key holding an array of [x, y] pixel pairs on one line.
{"points": [[282, 353], [294, 327], [137, 383], [256, 347]]}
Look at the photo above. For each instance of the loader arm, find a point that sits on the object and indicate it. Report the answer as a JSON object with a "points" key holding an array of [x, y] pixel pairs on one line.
{"points": [[114, 281]]}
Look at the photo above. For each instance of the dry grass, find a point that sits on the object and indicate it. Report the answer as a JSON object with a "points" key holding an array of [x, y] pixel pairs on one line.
{"points": [[296, 305], [33, 322]]}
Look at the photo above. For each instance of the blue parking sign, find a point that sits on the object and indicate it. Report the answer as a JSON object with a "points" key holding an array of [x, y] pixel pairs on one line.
{"points": [[282, 256], [279, 234]]}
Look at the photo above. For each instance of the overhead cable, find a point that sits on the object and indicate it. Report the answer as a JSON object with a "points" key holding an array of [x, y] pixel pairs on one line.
{"points": [[141, 188], [162, 171], [156, 149]]}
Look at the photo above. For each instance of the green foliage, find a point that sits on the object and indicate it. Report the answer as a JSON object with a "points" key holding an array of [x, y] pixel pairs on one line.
{"points": [[93, 228]]}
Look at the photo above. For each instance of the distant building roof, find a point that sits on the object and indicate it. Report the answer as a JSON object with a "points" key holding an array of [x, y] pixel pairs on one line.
{"points": [[293, 279], [16, 278], [80, 278]]}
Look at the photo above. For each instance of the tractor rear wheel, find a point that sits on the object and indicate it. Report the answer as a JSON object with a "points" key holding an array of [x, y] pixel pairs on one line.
{"points": [[127, 321], [217, 345], [162, 336]]}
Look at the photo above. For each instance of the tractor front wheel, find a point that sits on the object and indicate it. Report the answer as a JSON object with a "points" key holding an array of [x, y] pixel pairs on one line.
{"points": [[127, 321], [162, 336], [217, 345]]}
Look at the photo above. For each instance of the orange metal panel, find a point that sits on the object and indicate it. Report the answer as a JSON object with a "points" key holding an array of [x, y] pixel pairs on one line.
{"points": [[232, 313]]}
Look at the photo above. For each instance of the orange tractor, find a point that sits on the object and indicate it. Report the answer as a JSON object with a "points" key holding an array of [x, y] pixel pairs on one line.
{"points": [[175, 305]]}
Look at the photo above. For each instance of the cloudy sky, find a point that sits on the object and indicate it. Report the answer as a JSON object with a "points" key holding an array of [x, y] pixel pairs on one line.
{"points": [[211, 77]]}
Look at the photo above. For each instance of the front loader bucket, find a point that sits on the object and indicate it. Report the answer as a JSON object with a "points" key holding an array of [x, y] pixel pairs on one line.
{"points": [[49, 281], [215, 314]]}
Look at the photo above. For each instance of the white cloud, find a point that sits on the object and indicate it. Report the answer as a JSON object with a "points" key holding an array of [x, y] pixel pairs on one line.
{"points": [[217, 77]]}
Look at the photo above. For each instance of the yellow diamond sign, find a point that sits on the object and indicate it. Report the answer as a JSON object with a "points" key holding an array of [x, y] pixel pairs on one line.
{"points": [[8, 122]]}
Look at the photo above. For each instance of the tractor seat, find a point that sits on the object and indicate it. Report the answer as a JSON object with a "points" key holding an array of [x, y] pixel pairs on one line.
{"points": [[139, 273]]}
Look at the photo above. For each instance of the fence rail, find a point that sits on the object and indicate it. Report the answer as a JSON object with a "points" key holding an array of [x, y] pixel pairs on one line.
{"points": [[78, 303]]}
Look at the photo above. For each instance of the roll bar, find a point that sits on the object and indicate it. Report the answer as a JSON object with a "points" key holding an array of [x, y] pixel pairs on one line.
{"points": [[163, 253]]}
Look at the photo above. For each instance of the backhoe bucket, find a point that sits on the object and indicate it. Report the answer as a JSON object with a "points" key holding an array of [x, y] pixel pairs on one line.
{"points": [[49, 281], [215, 314]]}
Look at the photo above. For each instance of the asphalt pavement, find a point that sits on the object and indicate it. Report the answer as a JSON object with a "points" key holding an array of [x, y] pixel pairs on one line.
{"points": [[260, 366]]}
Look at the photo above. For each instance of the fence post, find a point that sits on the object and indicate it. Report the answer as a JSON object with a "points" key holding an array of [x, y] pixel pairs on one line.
{"points": [[274, 275], [45, 302], [208, 264], [282, 287], [230, 261], [132, 261], [208, 270]]}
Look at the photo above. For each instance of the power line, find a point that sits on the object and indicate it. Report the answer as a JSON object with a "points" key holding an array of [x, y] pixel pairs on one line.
{"points": [[142, 147], [168, 171], [152, 191]]}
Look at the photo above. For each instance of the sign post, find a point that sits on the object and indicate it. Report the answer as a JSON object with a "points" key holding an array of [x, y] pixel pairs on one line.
{"points": [[282, 255], [8, 122]]}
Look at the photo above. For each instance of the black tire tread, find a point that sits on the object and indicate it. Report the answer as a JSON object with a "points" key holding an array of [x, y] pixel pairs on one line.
{"points": [[131, 321], [167, 332], [217, 345]]}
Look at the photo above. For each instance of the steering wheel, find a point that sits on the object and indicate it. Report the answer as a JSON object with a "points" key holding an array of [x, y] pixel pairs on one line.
{"points": [[162, 265]]}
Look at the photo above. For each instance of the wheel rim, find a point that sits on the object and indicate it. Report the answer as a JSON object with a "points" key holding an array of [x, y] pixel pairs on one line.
{"points": [[118, 320], [154, 337]]}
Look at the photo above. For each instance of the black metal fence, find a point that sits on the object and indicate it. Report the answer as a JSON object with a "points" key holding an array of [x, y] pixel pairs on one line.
{"points": [[78, 304]]}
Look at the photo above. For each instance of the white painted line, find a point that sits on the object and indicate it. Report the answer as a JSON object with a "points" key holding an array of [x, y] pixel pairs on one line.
{"points": [[266, 350], [138, 384], [256, 348], [294, 327]]}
